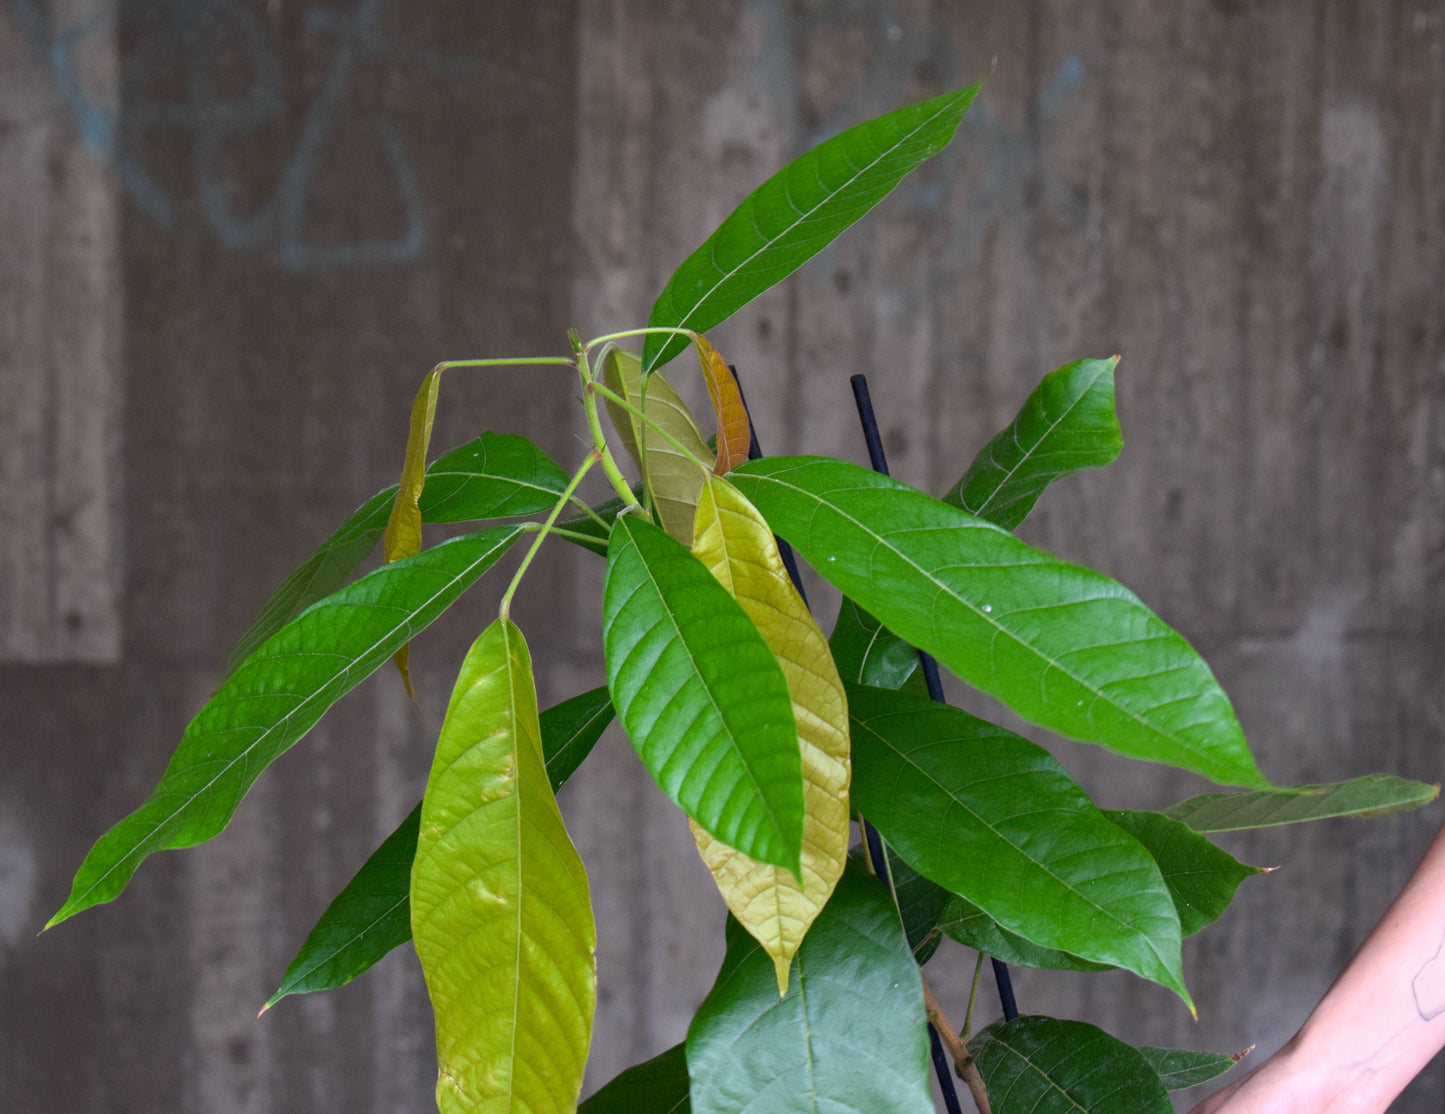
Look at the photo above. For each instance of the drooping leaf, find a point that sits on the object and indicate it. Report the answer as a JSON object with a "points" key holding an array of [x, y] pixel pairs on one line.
{"points": [[1370, 795], [275, 697], [1201, 876], [497, 475], [1044, 1065], [1067, 423], [403, 527], [992, 817], [795, 214], [700, 695], [501, 915], [674, 479], [1061, 645], [1179, 1068], [372, 914], [657, 1086], [736, 546], [366, 920], [868, 654], [734, 431], [848, 1037]]}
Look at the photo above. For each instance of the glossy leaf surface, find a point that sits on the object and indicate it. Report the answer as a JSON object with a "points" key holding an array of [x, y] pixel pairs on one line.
{"points": [[737, 547], [372, 914], [497, 475], [701, 695], [275, 697], [992, 817], [1063, 646], [501, 916], [674, 480], [869, 654], [1044, 1065], [849, 1036], [734, 432], [1201, 876], [1370, 795], [796, 213], [1179, 1068], [1067, 423], [657, 1086]]}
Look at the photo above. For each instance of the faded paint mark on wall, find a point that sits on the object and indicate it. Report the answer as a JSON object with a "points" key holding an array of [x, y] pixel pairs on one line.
{"points": [[187, 36]]}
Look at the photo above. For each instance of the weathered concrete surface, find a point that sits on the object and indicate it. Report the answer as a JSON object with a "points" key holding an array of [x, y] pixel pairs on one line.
{"points": [[297, 214]]}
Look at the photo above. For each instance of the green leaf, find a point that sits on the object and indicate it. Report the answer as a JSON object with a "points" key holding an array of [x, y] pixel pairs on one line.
{"points": [[497, 475], [972, 927], [1371, 795], [500, 911], [796, 213], [1201, 877], [921, 904], [1067, 424], [848, 1037], [275, 697], [992, 817], [372, 914], [594, 533], [868, 654], [1179, 1068], [658, 1086], [1061, 645], [1042, 1065], [701, 696]]}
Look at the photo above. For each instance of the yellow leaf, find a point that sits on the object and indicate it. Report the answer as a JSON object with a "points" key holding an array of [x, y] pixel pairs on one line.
{"points": [[734, 542], [674, 480], [734, 434]]}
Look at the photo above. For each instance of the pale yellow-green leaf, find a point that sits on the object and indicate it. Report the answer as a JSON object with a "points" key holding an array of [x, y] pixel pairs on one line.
{"points": [[671, 476], [734, 542], [403, 527], [500, 911]]}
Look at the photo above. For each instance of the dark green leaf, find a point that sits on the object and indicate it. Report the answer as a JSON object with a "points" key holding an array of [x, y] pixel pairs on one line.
{"points": [[275, 697], [372, 914], [867, 654], [1061, 645], [971, 926], [921, 904], [1201, 877], [658, 1086], [1371, 795], [796, 213], [1179, 1068], [848, 1037], [992, 817], [497, 475], [1042, 1065], [1068, 423], [701, 696]]}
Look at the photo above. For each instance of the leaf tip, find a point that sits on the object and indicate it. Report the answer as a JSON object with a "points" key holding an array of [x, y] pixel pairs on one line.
{"points": [[782, 966], [1242, 1053]]}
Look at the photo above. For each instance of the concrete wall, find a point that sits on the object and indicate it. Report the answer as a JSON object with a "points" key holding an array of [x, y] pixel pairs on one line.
{"points": [[234, 236]]}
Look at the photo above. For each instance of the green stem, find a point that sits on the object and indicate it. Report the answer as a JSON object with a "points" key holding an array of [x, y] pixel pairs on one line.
{"points": [[582, 505], [590, 387], [546, 528], [507, 361], [972, 994], [575, 536], [690, 334], [618, 400]]}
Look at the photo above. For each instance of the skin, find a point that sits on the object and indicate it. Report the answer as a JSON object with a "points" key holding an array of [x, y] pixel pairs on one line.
{"points": [[1375, 1028]]}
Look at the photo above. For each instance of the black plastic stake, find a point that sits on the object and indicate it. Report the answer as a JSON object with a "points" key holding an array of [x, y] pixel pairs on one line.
{"points": [[879, 461]]}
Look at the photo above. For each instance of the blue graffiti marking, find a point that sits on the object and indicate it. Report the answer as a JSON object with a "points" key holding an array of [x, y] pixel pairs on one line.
{"points": [[190, 33]]}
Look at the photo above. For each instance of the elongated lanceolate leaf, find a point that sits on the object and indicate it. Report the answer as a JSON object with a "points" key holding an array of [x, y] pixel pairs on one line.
{"points": [[658, 1086], [372, 914], [1068, 423], [849, 1037], [1371, 795], [1043, 1065], [674, 479], [275, 697], [1061, 645], [734, 431], [796, 213], [1179, 1068], [993, 818], [496, 475], [736, 546], [500, 911], [701, 696]]}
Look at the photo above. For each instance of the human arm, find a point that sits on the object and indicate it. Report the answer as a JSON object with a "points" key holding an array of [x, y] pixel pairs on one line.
{"points": [[1375, 1028]]}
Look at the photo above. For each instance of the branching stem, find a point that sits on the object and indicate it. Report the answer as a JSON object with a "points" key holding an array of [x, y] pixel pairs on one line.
{"points": [[963, 1063]]}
